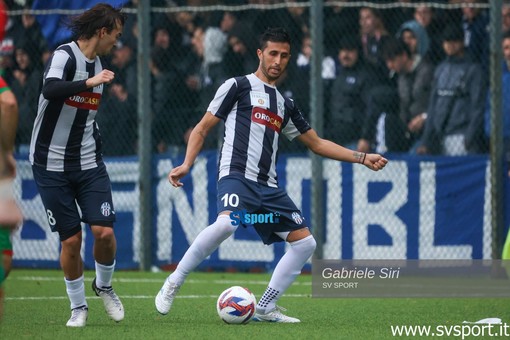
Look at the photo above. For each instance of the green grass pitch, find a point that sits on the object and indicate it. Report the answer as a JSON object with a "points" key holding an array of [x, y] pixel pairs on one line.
{"points": [[37, 307]]}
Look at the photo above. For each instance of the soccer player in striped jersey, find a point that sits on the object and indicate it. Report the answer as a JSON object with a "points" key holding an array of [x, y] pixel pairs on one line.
{"points": [[255, 114], [10, 214], [65, 153]]}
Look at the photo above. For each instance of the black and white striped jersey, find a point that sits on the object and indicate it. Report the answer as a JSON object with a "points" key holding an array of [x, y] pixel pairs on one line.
{"points": [[65, 136], [255, 114]]}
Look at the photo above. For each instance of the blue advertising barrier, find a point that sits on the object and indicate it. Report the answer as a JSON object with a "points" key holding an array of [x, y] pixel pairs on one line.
{"points": [[417, 208]]}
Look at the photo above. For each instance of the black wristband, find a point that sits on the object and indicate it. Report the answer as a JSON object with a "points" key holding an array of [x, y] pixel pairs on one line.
{"points": [[363, 159]]}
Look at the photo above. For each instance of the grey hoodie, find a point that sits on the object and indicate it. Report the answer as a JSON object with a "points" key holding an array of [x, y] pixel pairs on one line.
{"points": [[419, 32]]}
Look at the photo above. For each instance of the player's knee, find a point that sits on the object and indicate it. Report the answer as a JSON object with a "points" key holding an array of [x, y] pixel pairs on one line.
{"points": [[72, 245], [224, 224], [103, 234], [306, 245]]}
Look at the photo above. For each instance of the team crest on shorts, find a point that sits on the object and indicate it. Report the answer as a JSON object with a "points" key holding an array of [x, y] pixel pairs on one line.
{"points": [[297, 217], [106, 209]]}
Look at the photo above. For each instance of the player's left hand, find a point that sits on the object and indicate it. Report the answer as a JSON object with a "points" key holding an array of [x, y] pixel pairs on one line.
{"points": [[176, 174], [103, 77], [375, 161]]}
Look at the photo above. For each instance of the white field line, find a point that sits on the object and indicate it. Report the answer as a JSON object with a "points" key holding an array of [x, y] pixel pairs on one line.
{"points": [[33, 298], [127, 280]]}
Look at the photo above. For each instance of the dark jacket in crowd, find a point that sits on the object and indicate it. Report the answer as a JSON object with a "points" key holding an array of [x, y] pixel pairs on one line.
{"points": [[476, 39], [456, 104], [505, 89], [349, 97], [383, 127], [414, 89], [506, 104]]}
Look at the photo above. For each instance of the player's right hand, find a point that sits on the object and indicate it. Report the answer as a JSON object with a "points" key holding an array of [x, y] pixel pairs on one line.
{"points": [[375, 161], [176, 174]]}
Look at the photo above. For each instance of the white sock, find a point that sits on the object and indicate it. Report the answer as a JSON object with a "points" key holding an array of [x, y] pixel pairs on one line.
{"points": [[104, 275], [286, 271], [76, 292], [207, 241]]}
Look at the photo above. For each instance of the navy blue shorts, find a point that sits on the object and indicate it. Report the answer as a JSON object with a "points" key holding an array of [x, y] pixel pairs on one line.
{"points": [[268, 209], [63, 192]]}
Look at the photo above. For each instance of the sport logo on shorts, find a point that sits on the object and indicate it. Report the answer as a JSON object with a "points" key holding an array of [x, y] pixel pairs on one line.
{"points": [[106, 209], [297, 217], [243, 217]]}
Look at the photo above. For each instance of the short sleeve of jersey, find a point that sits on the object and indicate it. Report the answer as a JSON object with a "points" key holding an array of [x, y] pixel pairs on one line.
{"points": [[3, 85], [57, 66], [224, 99], [296, 124]]}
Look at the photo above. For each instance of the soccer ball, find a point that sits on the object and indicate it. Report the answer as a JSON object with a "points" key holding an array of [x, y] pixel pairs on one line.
{"points": [[236, 305]]}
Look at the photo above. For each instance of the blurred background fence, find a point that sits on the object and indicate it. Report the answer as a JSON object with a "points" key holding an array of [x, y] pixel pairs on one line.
{"points": [[410, 79]]}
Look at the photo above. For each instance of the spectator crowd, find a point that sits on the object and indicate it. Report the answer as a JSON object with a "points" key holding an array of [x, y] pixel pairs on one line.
{"points": [[408, 79]]}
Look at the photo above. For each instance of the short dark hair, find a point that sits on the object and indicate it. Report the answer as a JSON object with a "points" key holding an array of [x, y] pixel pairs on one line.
{"points": [[506, 35], [350, 42], [393, 48], [85, 25], [453, 32], [273, 34]]}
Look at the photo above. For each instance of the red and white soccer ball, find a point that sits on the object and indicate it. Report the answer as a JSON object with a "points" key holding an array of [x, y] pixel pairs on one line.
{"points": [[236, 305]]}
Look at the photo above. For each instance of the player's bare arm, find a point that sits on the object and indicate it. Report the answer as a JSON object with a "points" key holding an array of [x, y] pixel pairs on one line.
{"points": [[9, 119], [328, 149], [8, 126], [195, 143], [10, 215]]}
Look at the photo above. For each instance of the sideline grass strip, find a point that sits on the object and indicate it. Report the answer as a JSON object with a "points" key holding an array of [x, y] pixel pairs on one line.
{"points": [[37, 308]]}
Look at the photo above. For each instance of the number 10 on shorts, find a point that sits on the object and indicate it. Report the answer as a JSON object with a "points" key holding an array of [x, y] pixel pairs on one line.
{"points": [[230, 200]]}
